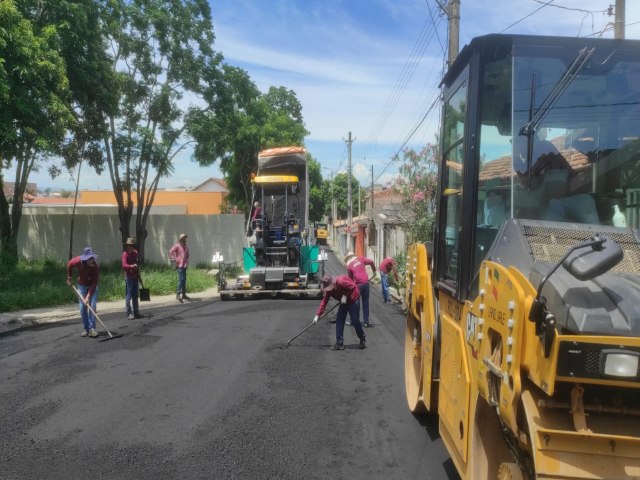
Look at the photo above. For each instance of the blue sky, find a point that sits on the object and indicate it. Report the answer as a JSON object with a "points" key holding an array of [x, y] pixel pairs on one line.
{"points": [[369, 67]]}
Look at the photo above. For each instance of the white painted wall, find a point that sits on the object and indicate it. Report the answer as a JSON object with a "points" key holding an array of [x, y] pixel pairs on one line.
{"points": [[42, 234]]}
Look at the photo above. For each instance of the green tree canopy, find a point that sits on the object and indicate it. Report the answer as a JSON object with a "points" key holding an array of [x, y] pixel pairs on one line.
{"points": [[256, 122], [340, 194], [317, 200], [170, 86], [34, 105]]}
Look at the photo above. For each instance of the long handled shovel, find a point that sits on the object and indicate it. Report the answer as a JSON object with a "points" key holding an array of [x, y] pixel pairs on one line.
{"points": [[111, 336], [286, 345]]}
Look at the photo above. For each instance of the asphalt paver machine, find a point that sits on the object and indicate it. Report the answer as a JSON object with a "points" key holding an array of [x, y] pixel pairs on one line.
{"points": [[279, 259]]}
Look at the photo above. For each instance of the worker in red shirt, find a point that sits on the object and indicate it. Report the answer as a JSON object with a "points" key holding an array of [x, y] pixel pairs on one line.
{"points": [[343, 289], [131, 279], [257, 211], [387, 266], [88, 276], [357, 271]]}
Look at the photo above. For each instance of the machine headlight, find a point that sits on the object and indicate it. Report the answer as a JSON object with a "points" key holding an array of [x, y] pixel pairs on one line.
{"points": [[620, 363]]}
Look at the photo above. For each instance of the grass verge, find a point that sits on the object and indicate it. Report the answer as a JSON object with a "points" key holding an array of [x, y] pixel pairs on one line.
{"points": [[42, 283]]}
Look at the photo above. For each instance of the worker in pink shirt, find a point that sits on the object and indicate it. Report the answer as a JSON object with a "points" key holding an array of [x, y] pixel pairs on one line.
{"points": [[179, 254], [357, 271], [387, 266], [343, 289]]}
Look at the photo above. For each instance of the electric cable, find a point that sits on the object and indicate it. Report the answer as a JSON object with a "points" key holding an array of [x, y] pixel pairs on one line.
{"points": [[408, 138], [406, 74], [527, 16]]}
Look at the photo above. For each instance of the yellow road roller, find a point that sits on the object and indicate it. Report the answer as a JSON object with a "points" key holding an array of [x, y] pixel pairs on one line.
{"points": [[523, 325]]}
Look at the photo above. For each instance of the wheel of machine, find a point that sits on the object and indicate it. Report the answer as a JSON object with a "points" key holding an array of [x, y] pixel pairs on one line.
{"points": [[413, 364], [510, 471]]}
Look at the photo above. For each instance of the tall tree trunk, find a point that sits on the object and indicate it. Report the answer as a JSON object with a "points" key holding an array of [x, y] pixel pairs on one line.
{"points": [[10, 222], [73, 213], [146, 198], [125, 212], [125, 209], [8, 249]]}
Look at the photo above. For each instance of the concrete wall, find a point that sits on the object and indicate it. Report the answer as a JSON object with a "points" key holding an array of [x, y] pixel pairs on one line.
{"points": [[42, 234], [48, 209], [394, 241]]}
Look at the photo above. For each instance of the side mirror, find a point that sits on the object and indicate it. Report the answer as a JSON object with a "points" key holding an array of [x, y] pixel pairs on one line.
{"points": [[584, 261], [585, 264]]}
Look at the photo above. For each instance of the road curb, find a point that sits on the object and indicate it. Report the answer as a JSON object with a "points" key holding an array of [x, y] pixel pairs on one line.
{"points": [[10, 321]]}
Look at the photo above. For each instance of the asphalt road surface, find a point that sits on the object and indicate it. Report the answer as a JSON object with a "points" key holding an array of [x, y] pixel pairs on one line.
{"points": [[204, 391]]}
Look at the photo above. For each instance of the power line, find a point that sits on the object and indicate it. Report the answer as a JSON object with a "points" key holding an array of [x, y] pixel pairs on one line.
{"points": [[408, 138], [444, 50], [608, 27], [570, 8], [344, 157], [417, 113], [406, 74], [527, 16], [427, 85]]}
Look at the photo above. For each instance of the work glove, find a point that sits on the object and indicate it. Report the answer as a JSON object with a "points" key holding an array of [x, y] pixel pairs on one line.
{"points": [[315, 320], [343, 300]]}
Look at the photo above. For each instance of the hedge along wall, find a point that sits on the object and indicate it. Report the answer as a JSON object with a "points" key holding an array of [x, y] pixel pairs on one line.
{"points": [[42, 234]]}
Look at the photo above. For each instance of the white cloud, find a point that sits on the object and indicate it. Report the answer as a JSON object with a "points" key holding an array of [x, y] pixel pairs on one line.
{"points": [[362, 173], [350, 62]]}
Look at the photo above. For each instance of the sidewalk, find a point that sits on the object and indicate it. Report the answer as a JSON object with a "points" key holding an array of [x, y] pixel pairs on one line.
{"points": [[26, 318]]}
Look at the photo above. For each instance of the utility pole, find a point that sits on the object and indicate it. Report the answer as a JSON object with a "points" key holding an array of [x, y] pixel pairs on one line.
{"points": [[452, 11], [618, 26], [333, 218], [349, 206], [359, 197], [372, 187]]}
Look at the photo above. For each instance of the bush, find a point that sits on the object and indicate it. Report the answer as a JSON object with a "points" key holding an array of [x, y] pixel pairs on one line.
{"points": [[401, 265]]}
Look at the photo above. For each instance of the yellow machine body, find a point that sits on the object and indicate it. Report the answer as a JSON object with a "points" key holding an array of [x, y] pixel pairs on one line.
{"points": [[523, 327]]}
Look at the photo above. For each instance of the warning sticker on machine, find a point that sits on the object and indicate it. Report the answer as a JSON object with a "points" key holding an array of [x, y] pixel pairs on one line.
{"points": [[472, 324]]}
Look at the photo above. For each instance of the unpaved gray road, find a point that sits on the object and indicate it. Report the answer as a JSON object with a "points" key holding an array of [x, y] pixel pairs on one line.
{"points": [[203, 391]]}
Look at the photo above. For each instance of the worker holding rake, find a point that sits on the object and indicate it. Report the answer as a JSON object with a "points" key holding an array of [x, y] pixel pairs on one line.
{"points": [[89, 274], [343, 289]]}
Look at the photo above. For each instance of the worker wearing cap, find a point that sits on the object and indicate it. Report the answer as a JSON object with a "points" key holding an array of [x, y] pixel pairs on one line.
{"points": [[179, 254], [131, 278], [387, 266], [343, 289], [357, 271], [88, 277]]}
